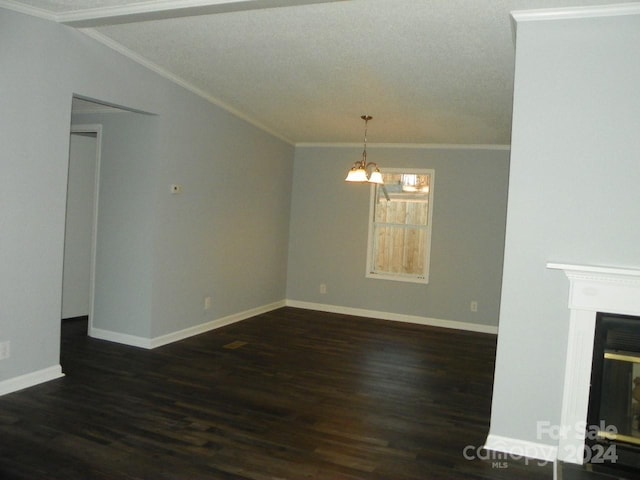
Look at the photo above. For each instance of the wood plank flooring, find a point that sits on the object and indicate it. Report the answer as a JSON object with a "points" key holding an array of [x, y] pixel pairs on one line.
{"points": [[296, 394]]}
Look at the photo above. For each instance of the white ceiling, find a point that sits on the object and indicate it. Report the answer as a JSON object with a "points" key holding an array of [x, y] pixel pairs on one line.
{"points": [[428, 71]]}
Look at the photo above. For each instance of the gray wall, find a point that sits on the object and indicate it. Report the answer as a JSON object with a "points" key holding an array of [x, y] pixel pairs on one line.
{"points": [[573, 198], [225, 236], [329, 232], [229, 224]]}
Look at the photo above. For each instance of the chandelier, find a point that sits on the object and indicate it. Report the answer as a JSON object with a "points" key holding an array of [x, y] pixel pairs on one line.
{"points": [[361, 170]]}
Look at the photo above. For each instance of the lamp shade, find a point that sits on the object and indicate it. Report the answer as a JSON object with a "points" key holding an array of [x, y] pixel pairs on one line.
{"points": [[376, 177], [356, 175]]}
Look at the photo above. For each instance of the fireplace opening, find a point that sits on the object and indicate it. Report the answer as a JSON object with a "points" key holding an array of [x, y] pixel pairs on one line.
{"points": [[613, 421]]}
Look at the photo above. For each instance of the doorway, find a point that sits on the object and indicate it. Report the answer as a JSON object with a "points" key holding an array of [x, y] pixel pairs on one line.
{"points": [[102, 288], [81, 225]]}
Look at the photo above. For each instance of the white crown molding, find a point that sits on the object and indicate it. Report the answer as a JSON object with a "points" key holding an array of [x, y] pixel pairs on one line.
{"points": [[414, 146], [150, 10], [108, 42], [163, 9], [153, 10], [28, 10], [571, 13], [118, 47]]}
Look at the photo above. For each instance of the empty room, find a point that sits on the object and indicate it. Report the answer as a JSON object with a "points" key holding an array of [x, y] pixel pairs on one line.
{"points": [[319, 239]]}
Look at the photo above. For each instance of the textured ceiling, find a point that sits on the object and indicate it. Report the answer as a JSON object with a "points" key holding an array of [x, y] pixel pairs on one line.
{"points": [[428, 71]]}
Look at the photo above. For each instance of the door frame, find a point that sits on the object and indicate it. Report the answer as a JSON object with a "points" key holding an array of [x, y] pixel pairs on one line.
{"points": [[97, 129]]}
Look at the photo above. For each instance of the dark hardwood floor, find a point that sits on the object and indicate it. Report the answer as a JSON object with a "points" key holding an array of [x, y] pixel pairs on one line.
{"points": [[291, 394]]}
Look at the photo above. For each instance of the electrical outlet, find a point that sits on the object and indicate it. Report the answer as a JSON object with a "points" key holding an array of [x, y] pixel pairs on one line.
{"points": [[474, 306], [5, 350], [207, 303], [323, 288]]}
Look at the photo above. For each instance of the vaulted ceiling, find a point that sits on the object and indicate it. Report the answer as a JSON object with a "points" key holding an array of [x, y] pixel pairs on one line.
{"points": [[428, 71]]}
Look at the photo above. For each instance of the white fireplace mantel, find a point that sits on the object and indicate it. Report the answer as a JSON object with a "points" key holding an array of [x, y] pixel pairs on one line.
{"points": [[592, 289]]}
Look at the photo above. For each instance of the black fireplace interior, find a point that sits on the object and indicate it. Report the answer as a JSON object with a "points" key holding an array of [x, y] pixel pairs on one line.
{"points": [[613, 432]]}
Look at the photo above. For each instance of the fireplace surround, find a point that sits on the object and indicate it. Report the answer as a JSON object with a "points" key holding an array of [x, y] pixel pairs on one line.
{"points": [[593, 290]]}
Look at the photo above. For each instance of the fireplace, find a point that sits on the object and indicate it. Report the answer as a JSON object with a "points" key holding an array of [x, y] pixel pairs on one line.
{"points": [[592, 290], [614, 398]]}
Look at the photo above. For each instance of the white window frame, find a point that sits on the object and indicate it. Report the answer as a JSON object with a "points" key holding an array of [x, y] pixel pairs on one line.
{"points": [[371, 246]]}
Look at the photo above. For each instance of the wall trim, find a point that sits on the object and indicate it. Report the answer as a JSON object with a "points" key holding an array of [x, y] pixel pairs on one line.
{"points": [[150, 343], [28, 10], [571, 13], [123, 338], [163, 9], [131, 55], [397, 317], [30, 379], [218, 323], [424, 146], [521, 448]]}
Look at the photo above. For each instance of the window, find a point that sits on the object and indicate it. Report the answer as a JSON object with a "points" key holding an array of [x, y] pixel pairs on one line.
{"points": [[400, 226]]}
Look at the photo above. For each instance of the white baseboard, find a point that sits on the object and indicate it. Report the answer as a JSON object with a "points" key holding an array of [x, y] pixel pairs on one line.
{"points": [[397, 317], [521, 448], [150, 343], [218, 323], [30, 379], [123, 338]]}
